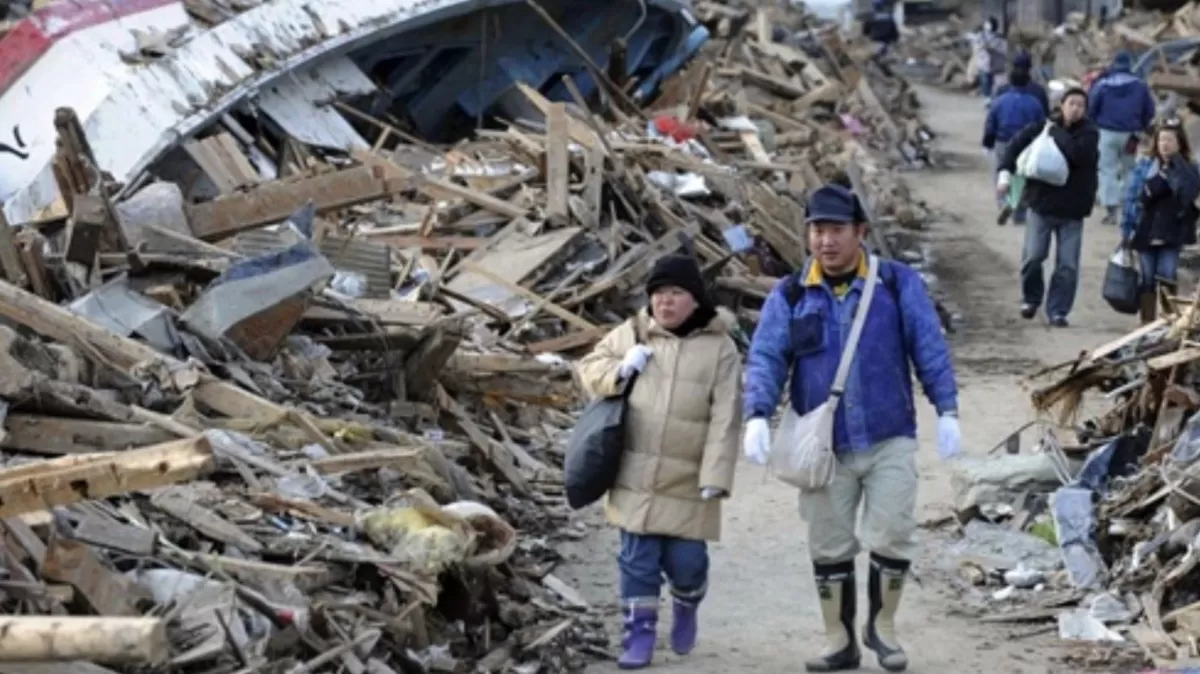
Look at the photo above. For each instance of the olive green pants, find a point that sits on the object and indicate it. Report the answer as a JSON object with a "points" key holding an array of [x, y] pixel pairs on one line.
{"points": [[884, 480]]}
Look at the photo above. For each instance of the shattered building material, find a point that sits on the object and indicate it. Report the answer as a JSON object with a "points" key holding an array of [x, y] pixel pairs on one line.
{"points": [[1122, 505], [290, 372]]}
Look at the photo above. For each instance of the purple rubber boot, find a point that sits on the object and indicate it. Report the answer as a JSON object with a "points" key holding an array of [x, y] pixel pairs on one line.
{"points": [[640, 625], [684, 626]]}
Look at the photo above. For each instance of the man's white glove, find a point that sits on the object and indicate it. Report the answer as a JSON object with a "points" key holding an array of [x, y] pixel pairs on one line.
{"points": [[710, 493], [756, 442], [949, 437], [635, 360]]}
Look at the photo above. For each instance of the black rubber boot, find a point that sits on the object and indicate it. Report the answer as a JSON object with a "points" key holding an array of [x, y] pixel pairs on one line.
{"points": [[837, 591], [885, 585]]}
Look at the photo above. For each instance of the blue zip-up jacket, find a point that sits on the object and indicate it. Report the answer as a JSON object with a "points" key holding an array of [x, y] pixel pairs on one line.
{"points": [[1131, 214], [806, 342], [1033, 87], [1012, 111], [1121, 101]]}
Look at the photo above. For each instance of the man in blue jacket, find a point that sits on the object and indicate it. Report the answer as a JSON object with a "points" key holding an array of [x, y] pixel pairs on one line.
{"points": [[1022, 69], [1122, 106], [1015, 107], [802, 330]]}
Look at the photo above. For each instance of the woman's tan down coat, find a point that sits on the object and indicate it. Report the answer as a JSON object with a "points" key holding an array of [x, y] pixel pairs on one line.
{"points": [[682, 428]]}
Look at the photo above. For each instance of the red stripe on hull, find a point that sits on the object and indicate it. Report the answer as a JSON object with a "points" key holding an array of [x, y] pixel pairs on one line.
{"points": [[30, 39]]}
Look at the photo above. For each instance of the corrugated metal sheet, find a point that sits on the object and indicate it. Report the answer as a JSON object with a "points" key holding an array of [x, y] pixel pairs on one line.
{"points": [[149, 108], [372, 260]]}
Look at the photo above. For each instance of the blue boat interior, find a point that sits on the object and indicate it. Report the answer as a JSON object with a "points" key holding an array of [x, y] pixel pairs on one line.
{"points": [[441, 79]]}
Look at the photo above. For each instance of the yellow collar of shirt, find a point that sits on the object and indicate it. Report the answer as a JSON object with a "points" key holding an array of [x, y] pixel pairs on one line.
{"points": [[816, 276]]}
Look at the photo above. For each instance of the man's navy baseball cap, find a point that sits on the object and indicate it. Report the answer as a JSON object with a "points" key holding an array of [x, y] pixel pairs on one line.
{"points": [[833, 203]]}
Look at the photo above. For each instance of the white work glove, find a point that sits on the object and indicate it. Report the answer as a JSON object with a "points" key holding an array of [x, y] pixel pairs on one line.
{"points": [[1002, 184], [756, 442], [710, 493], [635, 360], [949, 437]]}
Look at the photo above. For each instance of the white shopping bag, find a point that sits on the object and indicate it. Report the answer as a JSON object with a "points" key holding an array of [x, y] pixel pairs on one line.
{"points": [[1044, 161]]}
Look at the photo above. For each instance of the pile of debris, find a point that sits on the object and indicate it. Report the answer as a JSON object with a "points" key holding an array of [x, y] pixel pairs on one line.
{"points": [[315, 422], [1102, 532], [1165, 42]]}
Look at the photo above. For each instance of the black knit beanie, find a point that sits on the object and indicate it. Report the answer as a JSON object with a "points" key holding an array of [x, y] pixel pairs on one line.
{"points": [[681, 271]]}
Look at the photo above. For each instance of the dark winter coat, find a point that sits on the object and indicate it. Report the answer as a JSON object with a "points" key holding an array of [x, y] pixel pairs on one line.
{"points": [[1079, 143]]}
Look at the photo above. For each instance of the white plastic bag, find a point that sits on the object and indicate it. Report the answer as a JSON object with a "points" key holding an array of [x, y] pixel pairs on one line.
{"points": [[802, 454], [1043, 161]]}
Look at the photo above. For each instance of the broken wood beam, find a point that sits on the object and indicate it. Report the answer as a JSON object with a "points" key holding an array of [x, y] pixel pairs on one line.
{"points": [[274, 202], [100, 639], [57, 323], [558, 165], [63, 435], [54, 482]]}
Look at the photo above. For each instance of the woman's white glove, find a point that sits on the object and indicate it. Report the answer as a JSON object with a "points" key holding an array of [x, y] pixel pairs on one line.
{"points": [[635, 360], [949, 437], [756, 442]]}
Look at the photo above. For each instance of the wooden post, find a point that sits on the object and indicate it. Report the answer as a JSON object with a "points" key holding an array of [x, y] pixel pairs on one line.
{"points": [[100, 639]]}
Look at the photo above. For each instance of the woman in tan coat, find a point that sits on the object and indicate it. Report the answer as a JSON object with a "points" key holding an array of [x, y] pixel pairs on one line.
{"points": [[682, 429]]}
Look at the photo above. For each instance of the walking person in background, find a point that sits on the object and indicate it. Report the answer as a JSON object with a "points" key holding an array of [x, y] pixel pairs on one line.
{"points": [[1016, 106], [1022, 71], [802, 332], [991, 54], [1122, 106], [684, 417], [881, 27], [1055, 211], [1159, 217]]}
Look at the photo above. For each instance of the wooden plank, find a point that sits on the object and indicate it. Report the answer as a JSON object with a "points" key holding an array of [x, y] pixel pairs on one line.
{"points": [[60, 435], [558, 165], [222, 161], [578, 130], [55, 482], [106, 592], [490, 274], [273, 202], [476, 197], [385, 312], [59, 324], [178, 503], [553, 308], [496, 454]]}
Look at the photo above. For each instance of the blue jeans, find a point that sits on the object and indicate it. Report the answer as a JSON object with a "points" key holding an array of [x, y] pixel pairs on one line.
{"points": [[645, 559], [1115, 166], [986, 82], [1068, 235], [1158, 264]]}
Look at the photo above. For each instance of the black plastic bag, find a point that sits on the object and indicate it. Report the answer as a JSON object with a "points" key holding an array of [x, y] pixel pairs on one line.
{"points": [[595, 446], [594, 450], [1122, 282]]}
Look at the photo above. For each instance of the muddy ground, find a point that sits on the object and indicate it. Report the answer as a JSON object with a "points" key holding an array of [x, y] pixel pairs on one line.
{"points": [[761, 614]]}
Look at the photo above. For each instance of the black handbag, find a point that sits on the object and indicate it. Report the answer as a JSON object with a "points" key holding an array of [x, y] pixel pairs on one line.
{"points": [[595, 446], [1122, 283]]}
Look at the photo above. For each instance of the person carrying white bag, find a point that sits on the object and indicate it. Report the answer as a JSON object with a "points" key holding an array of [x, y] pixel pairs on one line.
{"points": [[848, 329], [1058, 204]]}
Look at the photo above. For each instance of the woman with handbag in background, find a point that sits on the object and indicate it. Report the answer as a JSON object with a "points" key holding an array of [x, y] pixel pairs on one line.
{"points": [[682, 426], [1159, 216]]}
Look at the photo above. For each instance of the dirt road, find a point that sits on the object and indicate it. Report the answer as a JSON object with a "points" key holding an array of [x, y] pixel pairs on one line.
{"points": [[761, 615]]}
